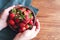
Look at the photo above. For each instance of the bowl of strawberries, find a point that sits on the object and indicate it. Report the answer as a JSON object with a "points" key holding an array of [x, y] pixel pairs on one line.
{"points": [[21, 18]]}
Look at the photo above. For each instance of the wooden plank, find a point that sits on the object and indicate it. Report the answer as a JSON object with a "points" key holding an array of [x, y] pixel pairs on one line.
{"points": [[49, 17]]}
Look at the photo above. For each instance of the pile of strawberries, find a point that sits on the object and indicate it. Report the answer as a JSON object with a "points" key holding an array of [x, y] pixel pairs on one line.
{"points": [[21, 19]]}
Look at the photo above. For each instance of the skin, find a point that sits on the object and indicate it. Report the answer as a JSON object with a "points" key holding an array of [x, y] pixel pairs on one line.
{"points": [[3, 17], [26, 35]]}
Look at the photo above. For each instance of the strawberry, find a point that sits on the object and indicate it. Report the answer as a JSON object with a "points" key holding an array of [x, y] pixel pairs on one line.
{"points": [[22, 24], [12, 16], [26, 20], [29, 11], [31, 22], [27, 26], [22, 29], [26, 17], [26, 13], [11, 22], [17, 20], [22, 9]]}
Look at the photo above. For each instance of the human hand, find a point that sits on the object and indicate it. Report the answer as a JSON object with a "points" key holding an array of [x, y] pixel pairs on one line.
{"points": [[4, 16], [29, 34]]}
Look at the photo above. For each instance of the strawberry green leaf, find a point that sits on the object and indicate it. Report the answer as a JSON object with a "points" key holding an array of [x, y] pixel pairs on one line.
{"points": [[16, 17], [30, 27], [14, 10], [21, 15], [30, 15]]}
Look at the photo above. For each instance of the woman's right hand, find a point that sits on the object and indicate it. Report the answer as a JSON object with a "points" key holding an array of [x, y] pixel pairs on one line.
{"points": [[29, 34]]}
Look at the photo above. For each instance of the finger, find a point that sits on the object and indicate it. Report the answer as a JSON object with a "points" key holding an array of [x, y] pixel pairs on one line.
{"points": [[38, 29], [38, 23], [33, 29], [6, 13]]}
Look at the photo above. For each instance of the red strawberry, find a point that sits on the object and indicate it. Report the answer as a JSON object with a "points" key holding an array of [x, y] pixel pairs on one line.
{"points": [[12, 16], [26, 13], [27, 26], [11, 22], [22, 9], [22, 24], [31, 22], [29, 11], [26, 19], [17, 20], [22, 29]]}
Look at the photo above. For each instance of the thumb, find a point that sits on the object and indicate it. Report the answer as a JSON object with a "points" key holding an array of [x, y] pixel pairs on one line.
{"points": [[33, 29], [6, 13]]}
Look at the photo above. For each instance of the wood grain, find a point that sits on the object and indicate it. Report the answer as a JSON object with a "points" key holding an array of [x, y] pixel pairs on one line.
{"points": [[49, 17]]}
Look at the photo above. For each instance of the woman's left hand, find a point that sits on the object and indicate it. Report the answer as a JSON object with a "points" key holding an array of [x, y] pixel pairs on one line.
{"points": [[4, 16]]}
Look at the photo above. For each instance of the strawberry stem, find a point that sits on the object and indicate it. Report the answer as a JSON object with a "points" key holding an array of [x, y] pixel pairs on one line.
{"points": [[21, 15], [14, 10], [30, 15]]}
